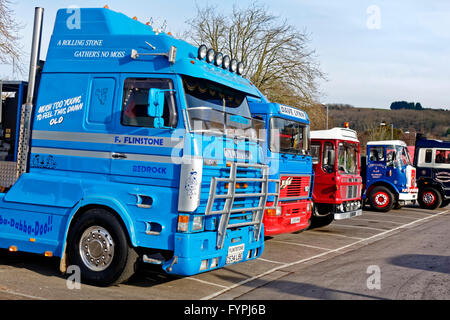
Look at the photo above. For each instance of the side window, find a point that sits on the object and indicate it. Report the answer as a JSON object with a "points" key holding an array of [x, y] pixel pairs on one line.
{"points": [[428, 156], [442, 156], [376, 154], [135, 102], [315, 152], [100, 107], [328, 157]]}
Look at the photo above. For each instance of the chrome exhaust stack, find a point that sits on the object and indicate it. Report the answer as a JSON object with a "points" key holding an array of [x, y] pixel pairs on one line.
{"points": [[27, 108]]}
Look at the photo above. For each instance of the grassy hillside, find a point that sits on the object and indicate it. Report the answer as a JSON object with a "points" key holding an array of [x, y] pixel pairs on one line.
{"points": [[434, 123]]}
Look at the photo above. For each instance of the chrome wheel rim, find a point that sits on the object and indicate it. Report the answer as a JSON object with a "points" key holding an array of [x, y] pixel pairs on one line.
{"points": [[96, 248], [428, 198]]}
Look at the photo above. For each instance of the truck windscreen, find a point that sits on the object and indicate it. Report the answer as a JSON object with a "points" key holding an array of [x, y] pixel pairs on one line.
{"points": [[288, 136], [402, 156], [217, 109], [347, 158]]}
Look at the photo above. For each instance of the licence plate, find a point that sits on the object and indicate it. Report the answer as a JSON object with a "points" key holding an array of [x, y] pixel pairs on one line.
{"points": [[235, 253], [295, 220]]}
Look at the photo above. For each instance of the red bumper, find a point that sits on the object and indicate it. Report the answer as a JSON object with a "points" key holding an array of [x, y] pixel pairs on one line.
{"points": [[294, 217]]}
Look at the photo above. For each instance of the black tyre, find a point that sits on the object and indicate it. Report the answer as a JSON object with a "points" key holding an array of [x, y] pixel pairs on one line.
{"points": [[429, 198], [381, 199], [445, 203], [98, 245], [322, 216]]}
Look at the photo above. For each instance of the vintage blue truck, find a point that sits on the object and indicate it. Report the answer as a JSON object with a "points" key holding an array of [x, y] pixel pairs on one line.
{"points": [[432, 162], [290, 162], [388, 175], [128, 145]]}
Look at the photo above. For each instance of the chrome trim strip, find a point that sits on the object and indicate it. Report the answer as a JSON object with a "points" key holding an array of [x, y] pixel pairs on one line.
{"points": [[108, 155], [118, 139]]}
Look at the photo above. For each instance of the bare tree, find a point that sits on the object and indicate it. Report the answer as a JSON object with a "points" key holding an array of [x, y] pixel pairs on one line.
{"points": [[10, 49], [275, 54]]}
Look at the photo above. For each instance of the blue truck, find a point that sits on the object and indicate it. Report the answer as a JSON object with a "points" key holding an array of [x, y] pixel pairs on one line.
{"points": [[389, 178], [288, 155], [432, 161], [128, 145]]}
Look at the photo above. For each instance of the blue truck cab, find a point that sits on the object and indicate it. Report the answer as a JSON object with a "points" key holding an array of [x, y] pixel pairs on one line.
{"points": [[432, 161], [388, 175], [290, 162], [136, 147]]}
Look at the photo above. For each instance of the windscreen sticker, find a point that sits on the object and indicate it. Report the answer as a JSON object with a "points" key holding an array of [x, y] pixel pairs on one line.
{"points": [[293, 112]]}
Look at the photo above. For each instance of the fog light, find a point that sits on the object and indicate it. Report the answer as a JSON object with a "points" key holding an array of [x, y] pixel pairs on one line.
{"points": [[240, 68], [226, 62], [215, 262], [218, 59], [202, 52], [233, 65], [204, 265], [210, 54]]}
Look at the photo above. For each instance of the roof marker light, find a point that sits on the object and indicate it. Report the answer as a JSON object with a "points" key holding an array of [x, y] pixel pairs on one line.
{"points": [[202, 52]]}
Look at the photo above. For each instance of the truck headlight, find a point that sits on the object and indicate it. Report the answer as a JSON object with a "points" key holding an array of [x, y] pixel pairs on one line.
{"points": [[274, 212], [197, 223], [184, 220]]}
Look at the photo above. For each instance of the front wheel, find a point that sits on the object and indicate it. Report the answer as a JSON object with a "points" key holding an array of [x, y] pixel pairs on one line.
{"points": [[429, 198], [381, 199], [445, 203], [98, 245], [322, 215]]}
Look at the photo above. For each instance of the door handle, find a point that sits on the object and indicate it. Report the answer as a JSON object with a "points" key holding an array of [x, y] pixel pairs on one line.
{"points": [[115, 155]]}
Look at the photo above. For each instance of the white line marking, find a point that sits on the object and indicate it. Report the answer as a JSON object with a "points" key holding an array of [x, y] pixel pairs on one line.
{"points": [[360, 227], [206, 282], [317, 256], [331, 234], [271, 261], [22, 294], [387, 214], [357, 219], [300, 244]]}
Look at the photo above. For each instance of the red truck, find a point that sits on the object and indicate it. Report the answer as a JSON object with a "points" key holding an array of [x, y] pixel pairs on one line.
{"points": [[337, 182]]}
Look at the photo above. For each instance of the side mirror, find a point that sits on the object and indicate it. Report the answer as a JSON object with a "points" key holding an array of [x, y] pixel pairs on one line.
{"points": [[156, 106]]}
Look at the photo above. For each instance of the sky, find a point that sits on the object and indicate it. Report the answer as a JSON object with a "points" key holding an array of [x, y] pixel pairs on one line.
{"points": [[372, 52]]}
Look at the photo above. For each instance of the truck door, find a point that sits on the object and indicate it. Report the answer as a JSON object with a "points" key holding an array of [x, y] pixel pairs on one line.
{"points": [[376, 164], [441, 170], [143, 150]]}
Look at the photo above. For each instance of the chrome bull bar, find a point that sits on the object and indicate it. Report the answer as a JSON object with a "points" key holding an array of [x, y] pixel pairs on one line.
{"points": [[231, 195]]}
